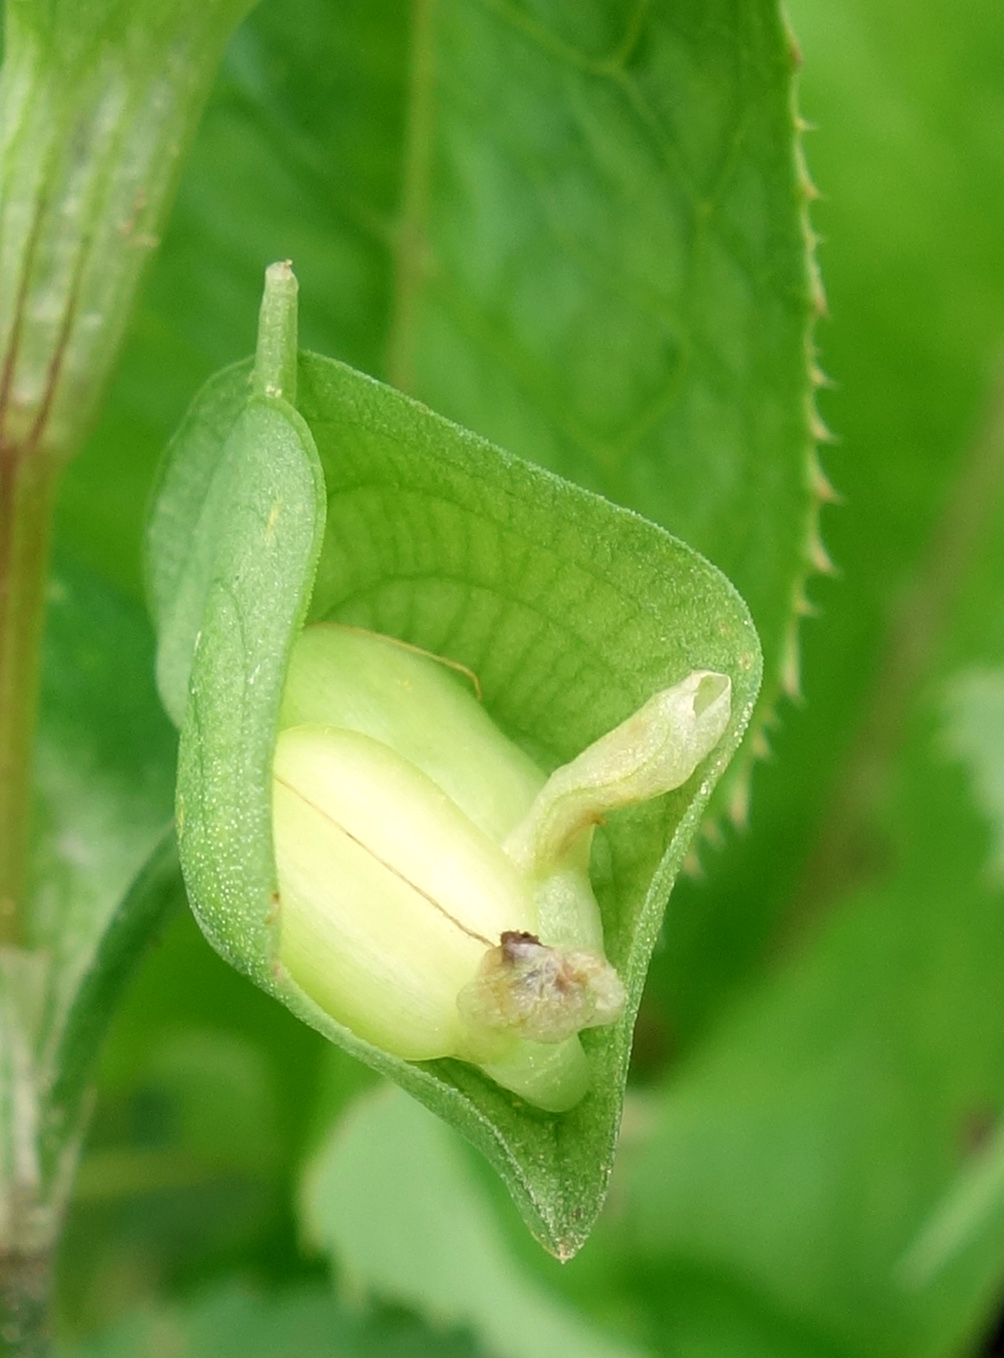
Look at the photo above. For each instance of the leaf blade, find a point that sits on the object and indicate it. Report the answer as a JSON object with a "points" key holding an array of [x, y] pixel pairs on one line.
{"points": [[388, 1196], [554, 227]]}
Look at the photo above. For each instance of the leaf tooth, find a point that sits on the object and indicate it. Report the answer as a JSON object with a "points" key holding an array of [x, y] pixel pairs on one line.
{"points": [[817, 293], [712, 832], [821, 485], [691, 865], [818, 430], [819, 558], [791, 669], [804, 607], [786, 676], [810, 191], [739, 804], [760, 745]]}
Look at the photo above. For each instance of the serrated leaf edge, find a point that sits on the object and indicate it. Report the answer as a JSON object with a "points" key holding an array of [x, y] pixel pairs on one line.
{"points": [[785, 682]]}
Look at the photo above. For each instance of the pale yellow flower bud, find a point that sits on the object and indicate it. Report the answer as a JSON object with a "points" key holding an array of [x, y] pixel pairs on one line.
{"points": [[433, 885], [390, 894]]}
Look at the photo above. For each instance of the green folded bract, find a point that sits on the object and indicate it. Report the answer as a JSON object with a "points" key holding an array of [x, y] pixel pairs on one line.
{"points": [[407, 855]]}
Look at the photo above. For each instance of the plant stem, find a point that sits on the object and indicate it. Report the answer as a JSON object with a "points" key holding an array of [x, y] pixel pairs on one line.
{"points": [[95, 115], [25, 1285], [30, 1207], [26, 490], [98, 104]]}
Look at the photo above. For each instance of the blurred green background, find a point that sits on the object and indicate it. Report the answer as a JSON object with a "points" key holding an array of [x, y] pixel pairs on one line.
{"points": [[812, 1160]]}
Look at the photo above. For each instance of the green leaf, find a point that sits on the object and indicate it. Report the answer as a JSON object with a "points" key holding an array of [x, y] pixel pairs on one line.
{"points": [[205, 1097], [191, 498], [104, 767], [974, 733], [581, 234], [916, 291], [602, 264], [232, 1322], [103, 869], [951, 1267], [571, 612], [829, 1181], [838, 1143], [807, 1146], [389, 1197], [79, 1018], [98, 101]]}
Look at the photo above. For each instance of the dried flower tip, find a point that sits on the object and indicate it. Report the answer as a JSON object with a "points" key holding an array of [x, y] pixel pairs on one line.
{"points": [[541, 994]]}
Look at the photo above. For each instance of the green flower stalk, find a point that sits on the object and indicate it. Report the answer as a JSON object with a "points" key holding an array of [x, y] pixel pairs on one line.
{"points": [[434, 892]]}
